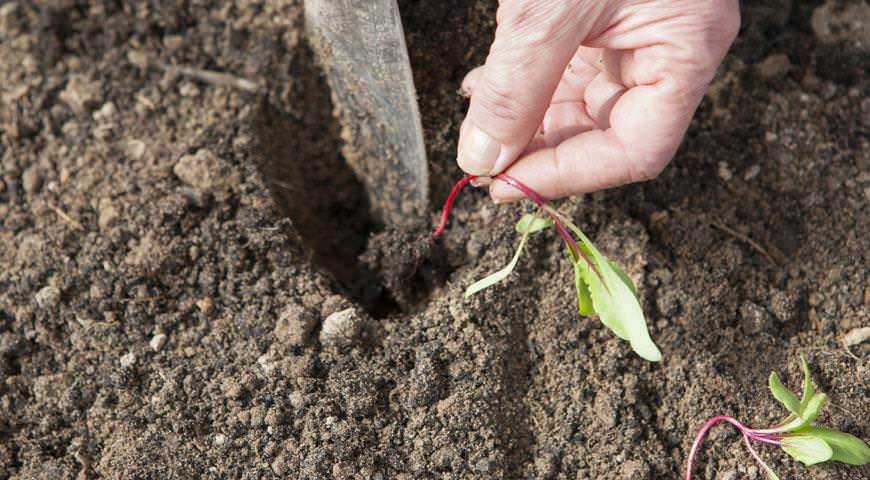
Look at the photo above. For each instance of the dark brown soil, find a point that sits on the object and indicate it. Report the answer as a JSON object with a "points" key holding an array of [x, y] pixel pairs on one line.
{"points": [[162, 316]]}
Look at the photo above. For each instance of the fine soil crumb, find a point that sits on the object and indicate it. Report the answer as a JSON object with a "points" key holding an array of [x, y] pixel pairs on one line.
{"points": [[182, 295]]}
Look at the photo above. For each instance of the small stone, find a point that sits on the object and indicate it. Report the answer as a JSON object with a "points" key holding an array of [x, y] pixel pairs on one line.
{"points": [[856, 336], [297, 400], [138, 59], [204, 170], [774, 66], [48, 297], [267, 363], [31, 179], [279, 465], [232, 388], [770, 137], [752, 172], [134, 149], [107, 213], [725, 171], [106, 113], [274, 418], [340, 328], [755, 318], [81, 93], [220, 439], [157, 342], [257, 416], [205, 305], [128, 360], [188, 89], [294, 325]]}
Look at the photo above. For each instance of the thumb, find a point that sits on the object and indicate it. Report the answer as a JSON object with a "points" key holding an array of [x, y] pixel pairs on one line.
{"points": [[534, 42]]}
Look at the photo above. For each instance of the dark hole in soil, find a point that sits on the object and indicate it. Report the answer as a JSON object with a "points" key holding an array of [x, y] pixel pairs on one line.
{"points": [[312, 184]]}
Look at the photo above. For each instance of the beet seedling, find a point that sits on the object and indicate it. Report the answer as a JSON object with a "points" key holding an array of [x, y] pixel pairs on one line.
{"points": [[796, 434], [602, 286]]}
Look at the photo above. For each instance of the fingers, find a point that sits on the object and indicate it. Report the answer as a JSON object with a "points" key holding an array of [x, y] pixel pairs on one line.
{"points": [[600, 97], [587, 162], [565, 120], [648, 123], [512, 91], [665, 69]]}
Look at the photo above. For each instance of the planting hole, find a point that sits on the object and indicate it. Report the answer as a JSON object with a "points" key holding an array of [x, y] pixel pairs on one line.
{"points": [[299, 152]]}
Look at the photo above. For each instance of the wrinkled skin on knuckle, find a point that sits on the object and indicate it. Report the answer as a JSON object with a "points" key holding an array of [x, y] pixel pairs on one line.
{"points": [[533, 24], [497, 97], [719, 26]]}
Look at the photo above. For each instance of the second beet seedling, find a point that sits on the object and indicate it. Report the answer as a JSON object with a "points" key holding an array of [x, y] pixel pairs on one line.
{"points": [[796, 435]]}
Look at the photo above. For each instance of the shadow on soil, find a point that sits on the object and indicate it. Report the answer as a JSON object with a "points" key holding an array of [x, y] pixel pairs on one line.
{"points": [[299, 157]]}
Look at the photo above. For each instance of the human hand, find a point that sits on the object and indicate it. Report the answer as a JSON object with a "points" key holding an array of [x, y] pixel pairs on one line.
{"points": [[580, 95]]}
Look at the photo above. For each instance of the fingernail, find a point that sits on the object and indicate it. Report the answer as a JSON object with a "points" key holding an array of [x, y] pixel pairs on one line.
{"points": [[477, 151], [481, 181]]}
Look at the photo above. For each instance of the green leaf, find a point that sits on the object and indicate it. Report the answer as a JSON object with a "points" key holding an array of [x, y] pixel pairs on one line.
{"points": [[807, 449], [532, 223], [808, 384], [807, 415], [615, 266], [814, 406], [615, 301], [847, 448], [584, 297], [500, 275], [783, 395]]}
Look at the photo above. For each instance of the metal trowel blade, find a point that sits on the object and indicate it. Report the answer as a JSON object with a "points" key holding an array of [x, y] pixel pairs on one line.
{"points": [[360, 45]]}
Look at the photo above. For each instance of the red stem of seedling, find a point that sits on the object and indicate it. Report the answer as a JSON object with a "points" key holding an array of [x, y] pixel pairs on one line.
{"points": [[448, 205], [525, 190], [748, 434]]}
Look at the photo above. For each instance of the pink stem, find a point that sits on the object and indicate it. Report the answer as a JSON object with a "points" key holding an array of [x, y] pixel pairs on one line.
{"points": [[757, 457], [700, 437], [748, 434], [763, 438]]}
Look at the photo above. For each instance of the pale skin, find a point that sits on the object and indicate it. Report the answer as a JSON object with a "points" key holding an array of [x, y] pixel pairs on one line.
{"points": [[582, 95]]}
